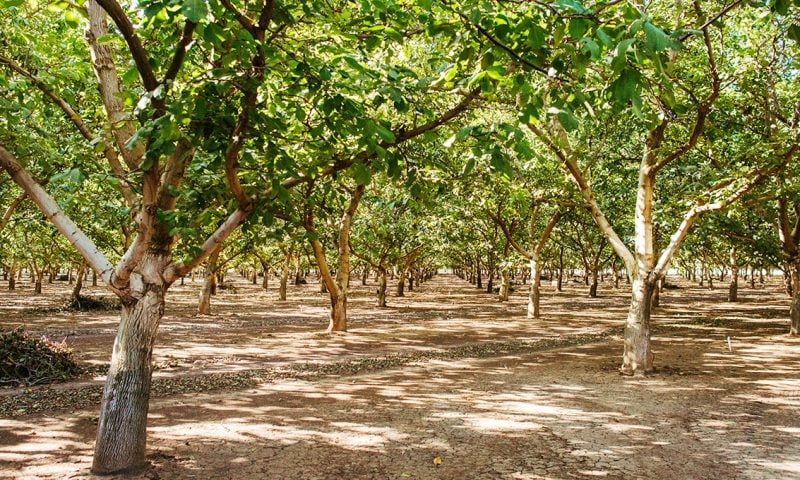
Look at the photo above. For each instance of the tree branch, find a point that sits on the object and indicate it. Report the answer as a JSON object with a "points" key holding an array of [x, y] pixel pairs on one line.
{"points": [[139, 54], [243, 19], [10, 210], [508, 234], [180, 53], [49, 207], [176, 270], [702, 112], [502, 46], [586, 191], [548, 229], [677, 238]]}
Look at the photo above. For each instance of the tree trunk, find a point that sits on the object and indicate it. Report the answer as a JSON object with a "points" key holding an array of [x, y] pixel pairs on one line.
{"points": [[637, 359], [12, 277], [560, 280], [338, 314], [382, 288], [533, 293], [364, 275], [794, 310], [209, 284], [401, 284], [655, 297], [76, 292], [733, 288], [337, 288], [38, 276], [593, 286], [411, 281], [287, 261], [505, 287], [121, 431]]}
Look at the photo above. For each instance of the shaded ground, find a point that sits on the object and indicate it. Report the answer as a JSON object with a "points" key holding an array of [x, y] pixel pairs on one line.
{"points": [[445, 372]]}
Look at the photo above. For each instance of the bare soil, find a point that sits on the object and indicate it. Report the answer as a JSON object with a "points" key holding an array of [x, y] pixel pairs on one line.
{"points": [[446, 383]]}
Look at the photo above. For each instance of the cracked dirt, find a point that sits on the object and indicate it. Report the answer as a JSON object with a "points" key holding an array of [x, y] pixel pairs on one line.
{"points": [[487, 412]]}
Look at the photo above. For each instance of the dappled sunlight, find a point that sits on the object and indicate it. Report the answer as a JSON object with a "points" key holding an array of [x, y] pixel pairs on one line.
{"points": [[556, 413]]}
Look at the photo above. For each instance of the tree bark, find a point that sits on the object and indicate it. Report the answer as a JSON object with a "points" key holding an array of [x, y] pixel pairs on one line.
{"points": [[505, 287], [733, 288], [637, 358], [337, 288], [593, 285], [284, 276], [560, 280], [533, 292], [76, 291], [401, 284], [794, 310], [121, 432], [382, 287], [209, 284]]}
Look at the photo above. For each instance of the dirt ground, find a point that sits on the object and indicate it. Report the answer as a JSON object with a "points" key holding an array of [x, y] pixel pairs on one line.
{"points": [[446, 383]]}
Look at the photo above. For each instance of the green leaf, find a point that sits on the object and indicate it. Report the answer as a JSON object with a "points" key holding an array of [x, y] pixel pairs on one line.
{"points": [[463, 133], [361, 174], [656, 39], [590, 47], [213, 33], [567, 120], [385, 134], [325, 74], [130, 76], [501, 165], [604, 37], [107, 38], [624, 88], [781, 6], [794, 32], [578, 27], [468, 167], [72, 18], [194, 10], [450, 74]]}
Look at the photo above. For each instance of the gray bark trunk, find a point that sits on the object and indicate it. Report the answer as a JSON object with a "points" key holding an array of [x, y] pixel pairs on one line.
{"points": [[382, 288], [533, 293], [284, 277], [505, 287], [209, 284], [637, 358], [794, 310], [733, 288], [121, 431]]}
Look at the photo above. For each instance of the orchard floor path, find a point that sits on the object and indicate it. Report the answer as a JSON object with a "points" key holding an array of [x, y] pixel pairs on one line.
{"points": [[446, 375]]}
